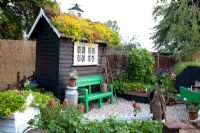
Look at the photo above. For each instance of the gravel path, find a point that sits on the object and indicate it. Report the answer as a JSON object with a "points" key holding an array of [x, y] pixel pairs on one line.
{"points": [[124, 108]]}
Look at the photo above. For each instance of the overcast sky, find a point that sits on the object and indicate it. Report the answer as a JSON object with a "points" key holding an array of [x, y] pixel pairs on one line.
{"points": [[134, 17]]}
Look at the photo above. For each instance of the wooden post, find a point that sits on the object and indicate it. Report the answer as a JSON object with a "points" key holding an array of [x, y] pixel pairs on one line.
{"points": [[18, 78], [158, 62], [24, 78]]}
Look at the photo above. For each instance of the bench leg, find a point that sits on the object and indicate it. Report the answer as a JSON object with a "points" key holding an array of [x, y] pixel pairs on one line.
{"points": [[111, 99], [86, 106], [100, 103]]}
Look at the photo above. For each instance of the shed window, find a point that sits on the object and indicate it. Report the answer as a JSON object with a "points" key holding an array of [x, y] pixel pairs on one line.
{"points": [[85, 54]]}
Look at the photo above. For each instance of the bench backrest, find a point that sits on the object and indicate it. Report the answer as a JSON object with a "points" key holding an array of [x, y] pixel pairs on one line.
{"points": [[190, 95], [89, 80]]}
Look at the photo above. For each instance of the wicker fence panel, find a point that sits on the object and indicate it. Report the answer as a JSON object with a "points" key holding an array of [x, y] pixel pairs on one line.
{"points": [[16, 56]]}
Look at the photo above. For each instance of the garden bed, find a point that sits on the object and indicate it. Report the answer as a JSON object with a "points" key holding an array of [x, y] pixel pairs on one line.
{"points": [[141, 97]]}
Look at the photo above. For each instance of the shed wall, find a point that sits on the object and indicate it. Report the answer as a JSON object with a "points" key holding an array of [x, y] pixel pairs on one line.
{"points": [[66, 64], [47, 55]]}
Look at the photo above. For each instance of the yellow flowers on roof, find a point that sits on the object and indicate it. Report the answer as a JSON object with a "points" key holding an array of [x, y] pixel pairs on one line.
{"points": [[83, 28]]}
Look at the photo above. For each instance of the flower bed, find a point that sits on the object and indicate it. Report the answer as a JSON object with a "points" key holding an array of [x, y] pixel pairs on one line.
{"points": [[61, 118]]}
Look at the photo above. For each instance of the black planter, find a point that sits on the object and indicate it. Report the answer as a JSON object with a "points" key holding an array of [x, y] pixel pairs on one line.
{"points": [[136, 98]]}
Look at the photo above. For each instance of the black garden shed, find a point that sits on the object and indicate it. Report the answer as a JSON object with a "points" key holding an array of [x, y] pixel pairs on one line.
{"points": [[57, 54]]}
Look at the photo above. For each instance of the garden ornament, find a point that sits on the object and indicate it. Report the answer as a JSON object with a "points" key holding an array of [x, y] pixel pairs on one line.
{"points": [[157, 105], [136, 108]]}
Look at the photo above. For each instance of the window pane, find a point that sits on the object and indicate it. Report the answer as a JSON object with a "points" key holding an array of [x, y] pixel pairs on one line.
{"points": [[83, 58], [89, 58], [83, 50], [79, 49], [93, 50], [92, 59], [89, 50], [79, 58]]}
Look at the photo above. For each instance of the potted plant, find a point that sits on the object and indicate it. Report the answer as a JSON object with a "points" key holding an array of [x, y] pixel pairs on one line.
{"points": [[193, 111], [51, 102], [80, 107], [73, 76]]}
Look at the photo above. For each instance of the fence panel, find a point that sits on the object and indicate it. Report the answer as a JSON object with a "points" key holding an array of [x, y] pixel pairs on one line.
{"points": [[16, 56], [119, 60]]}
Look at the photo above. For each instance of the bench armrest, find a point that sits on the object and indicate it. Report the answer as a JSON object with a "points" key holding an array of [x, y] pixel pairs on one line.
{"points": [[84, 91], [110, 88]]}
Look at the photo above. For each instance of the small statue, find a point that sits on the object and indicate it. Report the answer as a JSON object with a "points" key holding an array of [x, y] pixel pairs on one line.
{"points": [[136, 108], [157, 105]]}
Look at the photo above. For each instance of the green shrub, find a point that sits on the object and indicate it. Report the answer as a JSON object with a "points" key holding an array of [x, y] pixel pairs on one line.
{"points": [[141, 66], [12, 101], [61, 119], [179, 67]]}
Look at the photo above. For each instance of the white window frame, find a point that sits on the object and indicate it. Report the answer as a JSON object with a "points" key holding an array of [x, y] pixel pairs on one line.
{"points": [[86, 45]]}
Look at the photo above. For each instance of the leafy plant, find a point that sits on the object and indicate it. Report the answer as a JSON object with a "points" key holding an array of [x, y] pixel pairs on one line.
{"points": [[172, 98], [57, 119], [14, 100], [141, 66], [122, 87], [60, 118], [193, 107], [167, 84], [73, 74], [28, 85]]}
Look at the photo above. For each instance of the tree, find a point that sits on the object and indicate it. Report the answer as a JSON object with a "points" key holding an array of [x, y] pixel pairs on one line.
{"points": [[131, 43], [17, 16], [178, 31], [113, 26], [126, 45]]}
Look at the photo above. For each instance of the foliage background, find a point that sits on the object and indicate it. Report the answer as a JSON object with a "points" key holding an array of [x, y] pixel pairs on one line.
{"points": [[17, 16], [178, 30]]}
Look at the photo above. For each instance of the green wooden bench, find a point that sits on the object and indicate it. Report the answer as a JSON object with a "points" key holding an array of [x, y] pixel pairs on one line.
{"points": [[84, 85], [191, 96]]}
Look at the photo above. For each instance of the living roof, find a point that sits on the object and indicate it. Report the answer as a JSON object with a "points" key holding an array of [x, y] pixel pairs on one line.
{"points": [[65, 25]]}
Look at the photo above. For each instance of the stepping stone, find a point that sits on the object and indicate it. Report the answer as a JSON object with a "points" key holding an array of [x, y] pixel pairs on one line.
{"points": [[172, 126]]}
